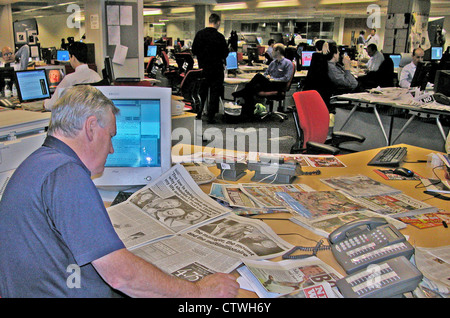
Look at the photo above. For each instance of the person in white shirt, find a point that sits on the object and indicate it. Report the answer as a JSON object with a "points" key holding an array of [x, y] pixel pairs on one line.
{"points": [[19, 60], [408, 71], [373, 38], [82, 75], [376, 58]]}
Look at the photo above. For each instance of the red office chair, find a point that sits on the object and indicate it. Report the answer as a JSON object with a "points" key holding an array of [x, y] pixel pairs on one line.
{"points": [[279, 96], [311, 119], [190, 89]]}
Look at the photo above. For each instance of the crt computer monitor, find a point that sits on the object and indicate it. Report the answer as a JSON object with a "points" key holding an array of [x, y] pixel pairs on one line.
{"points": [[55, 74], [62, 56], [232, 61], [306, 58], [442, 82], [142, 145]]}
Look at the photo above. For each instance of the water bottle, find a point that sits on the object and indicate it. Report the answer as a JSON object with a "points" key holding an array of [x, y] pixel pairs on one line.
{"points": [[7, 92], [14, 90]]}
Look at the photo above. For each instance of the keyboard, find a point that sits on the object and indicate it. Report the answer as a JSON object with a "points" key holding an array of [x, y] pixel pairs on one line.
{"points": [[389, 157]]}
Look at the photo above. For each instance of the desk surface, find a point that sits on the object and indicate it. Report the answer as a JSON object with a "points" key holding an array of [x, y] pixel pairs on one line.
{"points": [[356, 164]]}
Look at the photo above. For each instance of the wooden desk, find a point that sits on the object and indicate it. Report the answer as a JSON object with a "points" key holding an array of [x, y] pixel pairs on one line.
{"points": [[356, 164]]}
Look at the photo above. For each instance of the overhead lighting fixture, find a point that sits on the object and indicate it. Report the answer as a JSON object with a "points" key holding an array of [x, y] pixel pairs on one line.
{"points": [[278, 4], [182, 10], [326, 2], [230, 6], [152, 12]]}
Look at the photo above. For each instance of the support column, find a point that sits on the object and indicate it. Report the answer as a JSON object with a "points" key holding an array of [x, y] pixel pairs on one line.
{"points": [[6, 25]]}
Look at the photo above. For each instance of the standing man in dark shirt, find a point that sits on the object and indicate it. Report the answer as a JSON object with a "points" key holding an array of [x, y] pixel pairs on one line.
{"points": [[211, 50]]}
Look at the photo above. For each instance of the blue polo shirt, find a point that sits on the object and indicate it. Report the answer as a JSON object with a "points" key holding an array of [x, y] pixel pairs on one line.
{"points": [[53, 224]]}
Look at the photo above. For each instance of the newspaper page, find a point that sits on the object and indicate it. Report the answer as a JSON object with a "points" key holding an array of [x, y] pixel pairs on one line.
{"points": [[182, 257], [265, 194], [434, 263], [327, 224], [323, 290], [273, 279], [171, 204], [241, 237], [396, 205], [322, 161], [359, 186]]}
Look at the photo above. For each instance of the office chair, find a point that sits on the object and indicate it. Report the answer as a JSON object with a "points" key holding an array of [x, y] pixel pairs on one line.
{"points": [[311, 119], [185, 63], [190, 89], [383, 77], [170, 72], [152, 67], [279, 96]]}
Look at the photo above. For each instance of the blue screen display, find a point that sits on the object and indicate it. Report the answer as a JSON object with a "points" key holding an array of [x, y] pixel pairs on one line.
{"points": [[32, 85], [232, 62], [436, 53], [151, 50], [138, 138], [62, 55], [396, 59]]}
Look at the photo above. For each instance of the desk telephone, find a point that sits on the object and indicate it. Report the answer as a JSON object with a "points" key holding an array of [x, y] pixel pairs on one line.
{"points": [[373, 241]]}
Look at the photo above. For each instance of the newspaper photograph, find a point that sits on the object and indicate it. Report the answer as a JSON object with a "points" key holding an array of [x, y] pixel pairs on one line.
{"points": [[265, 194], [241, 237], [273, 279], [359, 186], [171, 204]]}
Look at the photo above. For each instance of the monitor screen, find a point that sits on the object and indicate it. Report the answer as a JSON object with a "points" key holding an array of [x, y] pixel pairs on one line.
{"points": [[151, 50], [306, 58], [32, 85], [251, 39], [55, 74], [396, 58], [62, 55], [436, 53], [142, 145], [232, 62], [442, 82], [109, 70]]}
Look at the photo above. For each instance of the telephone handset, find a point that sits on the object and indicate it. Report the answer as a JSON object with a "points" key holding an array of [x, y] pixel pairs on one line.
{"points": [[360, 243]]}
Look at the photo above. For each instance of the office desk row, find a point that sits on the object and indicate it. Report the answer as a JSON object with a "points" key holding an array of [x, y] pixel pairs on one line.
{"points": [[398, 101], [355, 164]]}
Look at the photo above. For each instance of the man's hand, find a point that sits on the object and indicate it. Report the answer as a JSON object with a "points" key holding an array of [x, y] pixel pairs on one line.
{"points": [[218, 285]]}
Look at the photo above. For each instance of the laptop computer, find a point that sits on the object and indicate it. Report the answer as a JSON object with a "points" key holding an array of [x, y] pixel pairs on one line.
{"points": [[32, 88]]}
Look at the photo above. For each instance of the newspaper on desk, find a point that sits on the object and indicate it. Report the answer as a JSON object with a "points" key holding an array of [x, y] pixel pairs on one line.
{"points": [[174, 225], [434, 263], [274, 279]]}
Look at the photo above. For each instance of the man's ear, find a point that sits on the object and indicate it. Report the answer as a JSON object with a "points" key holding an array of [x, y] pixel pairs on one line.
{"points": [[90, 126]]}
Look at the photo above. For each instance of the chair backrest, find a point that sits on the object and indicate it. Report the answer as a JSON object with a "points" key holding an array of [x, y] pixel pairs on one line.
{"points": [[313, 116], [190, 84], [288, 84]]}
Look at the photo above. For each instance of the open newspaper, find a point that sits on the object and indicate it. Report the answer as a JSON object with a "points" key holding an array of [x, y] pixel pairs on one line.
{"points": [[359, 186], [274, 279], [173, 224]]}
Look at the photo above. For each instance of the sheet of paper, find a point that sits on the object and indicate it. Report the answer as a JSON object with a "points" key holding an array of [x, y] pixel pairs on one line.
{"points": [[113, 35], [112, 13], [120, 54], [126, 15]]}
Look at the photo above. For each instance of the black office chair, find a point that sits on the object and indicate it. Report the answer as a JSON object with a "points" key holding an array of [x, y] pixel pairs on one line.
{"points": [[277, 96], [190, 89]]}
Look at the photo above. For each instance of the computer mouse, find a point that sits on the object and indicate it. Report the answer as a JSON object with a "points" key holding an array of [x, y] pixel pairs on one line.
{"points": [[403, 172]]}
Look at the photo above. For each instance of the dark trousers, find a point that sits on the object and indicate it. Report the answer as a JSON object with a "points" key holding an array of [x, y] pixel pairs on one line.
{"points": [[213, 83], [259, 83]]}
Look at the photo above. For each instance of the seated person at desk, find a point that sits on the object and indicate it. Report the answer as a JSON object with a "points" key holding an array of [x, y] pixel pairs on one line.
{"points": [[276, 75], [51, 208], [269, 52], [82, 75], [408, 71], [340, 75], [376, 58], [19, 60]]}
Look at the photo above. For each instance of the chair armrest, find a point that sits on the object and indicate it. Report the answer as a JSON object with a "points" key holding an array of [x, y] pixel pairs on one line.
{"points": [[319, 148], [338, 137]]}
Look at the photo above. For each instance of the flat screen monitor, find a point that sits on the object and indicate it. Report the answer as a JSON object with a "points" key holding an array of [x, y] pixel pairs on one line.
{"points": [[309, 41], [108, 70], [396, 58], [55, 74], [251, 39], [306, 58], [436, 53], [442, 82], [151, 50], [232, 61], [62, 56], [142, 145], [32, 85]]}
